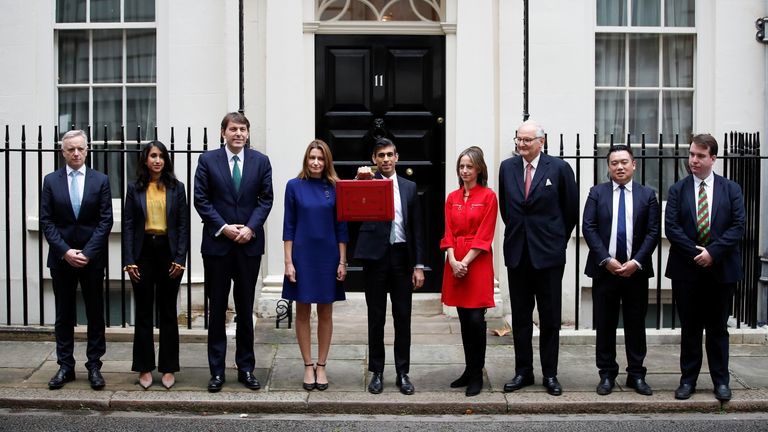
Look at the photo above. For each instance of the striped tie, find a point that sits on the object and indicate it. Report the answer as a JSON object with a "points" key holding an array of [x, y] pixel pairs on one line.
{"points": [[702, 221]]}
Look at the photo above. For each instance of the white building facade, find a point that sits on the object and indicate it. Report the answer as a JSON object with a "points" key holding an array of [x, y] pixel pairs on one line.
{"points": [[595, 67]]}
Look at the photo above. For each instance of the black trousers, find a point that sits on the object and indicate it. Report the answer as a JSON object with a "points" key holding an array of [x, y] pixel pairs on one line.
{"points": [[238, 271], [703, 306], [154, 264], [65, 280], [630, 295], [543, 288], [390, 274]]}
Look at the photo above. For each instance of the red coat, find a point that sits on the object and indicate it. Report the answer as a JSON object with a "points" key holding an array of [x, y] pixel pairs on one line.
{"points": [[470, 225]]}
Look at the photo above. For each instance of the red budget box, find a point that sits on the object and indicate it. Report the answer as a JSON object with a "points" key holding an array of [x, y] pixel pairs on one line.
{"points": [[365, 200]]}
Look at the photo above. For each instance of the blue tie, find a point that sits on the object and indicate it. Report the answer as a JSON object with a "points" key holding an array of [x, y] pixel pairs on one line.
{"points": [[621, 229], [74, 193]]}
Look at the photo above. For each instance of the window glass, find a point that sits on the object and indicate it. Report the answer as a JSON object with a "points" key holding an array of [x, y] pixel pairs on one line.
{"points": [[609, 114], [68, 11], [678, 116], [611, 12], [609, 59], [73, 56], [644, 60], [139, 10], [73, 109], [140, 46], [644, 115], [141, 111], [107, 56], [679, 13], [678, 60], [107, 111], [646, 13], [105, 10]]}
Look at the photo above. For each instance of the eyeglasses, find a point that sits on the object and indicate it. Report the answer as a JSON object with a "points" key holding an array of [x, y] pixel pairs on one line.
{"points": [[526, 140]]}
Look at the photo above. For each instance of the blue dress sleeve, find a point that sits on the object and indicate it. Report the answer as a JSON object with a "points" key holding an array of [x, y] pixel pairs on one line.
{"points": [[289, 215]]}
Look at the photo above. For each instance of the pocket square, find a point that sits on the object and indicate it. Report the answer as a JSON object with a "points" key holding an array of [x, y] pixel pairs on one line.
{"points": [[549, 183]]}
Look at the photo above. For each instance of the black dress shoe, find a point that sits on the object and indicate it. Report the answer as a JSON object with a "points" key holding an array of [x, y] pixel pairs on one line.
{"points": [[553, 386], [376, 385], [722, 392], [62, 377], [518, 382], [685, 391], [404, 383], [605, 387], [96, 380], [640, 386], [216, 383], [248, 380]]}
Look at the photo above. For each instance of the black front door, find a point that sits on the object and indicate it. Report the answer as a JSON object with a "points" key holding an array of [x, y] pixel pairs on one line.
{"points": [[390, 86]]}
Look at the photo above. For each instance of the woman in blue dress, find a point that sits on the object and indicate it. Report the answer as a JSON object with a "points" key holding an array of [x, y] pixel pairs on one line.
{"points": [[315, 246]]}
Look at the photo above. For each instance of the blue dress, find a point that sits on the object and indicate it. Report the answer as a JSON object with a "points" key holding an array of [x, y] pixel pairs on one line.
{"points": [[310, 221]]}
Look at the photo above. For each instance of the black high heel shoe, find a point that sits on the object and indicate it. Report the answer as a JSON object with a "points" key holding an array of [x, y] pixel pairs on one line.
{"points": [[310, 386], [320, 386]]}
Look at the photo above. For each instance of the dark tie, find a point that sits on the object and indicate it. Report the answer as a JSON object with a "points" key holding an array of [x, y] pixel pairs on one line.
{"points": [[621, 228], [74, 193], [528, 175], [236, 175], [702, 221]]}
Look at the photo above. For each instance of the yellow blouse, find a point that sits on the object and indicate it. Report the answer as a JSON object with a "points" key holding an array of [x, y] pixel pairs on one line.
{"points": [[156, 222]]}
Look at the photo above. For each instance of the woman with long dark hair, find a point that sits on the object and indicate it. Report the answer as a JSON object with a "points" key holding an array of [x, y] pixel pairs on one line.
{"points": [[470, 223], [315, 246], [155, 244]]}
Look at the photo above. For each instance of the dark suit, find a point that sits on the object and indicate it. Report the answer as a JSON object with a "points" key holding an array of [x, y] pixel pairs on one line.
{"points": [[154, 255], [389, 267], [611, 291], [703, 294], [226, 261], [88, 232], [536, 234]]}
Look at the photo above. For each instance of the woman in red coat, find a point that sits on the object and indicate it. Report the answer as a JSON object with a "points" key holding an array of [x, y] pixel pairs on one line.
{"points": [[470, 223]]}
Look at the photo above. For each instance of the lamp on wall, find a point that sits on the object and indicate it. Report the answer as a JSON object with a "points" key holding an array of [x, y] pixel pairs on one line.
{"points": [[761, 35]]}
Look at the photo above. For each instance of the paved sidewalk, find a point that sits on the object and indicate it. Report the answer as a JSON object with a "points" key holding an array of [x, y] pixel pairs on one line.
{"points": [[28, 360]]}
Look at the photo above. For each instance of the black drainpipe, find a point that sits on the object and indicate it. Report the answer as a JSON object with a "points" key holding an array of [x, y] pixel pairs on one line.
{"points": [[242, 60], [526, 114]]}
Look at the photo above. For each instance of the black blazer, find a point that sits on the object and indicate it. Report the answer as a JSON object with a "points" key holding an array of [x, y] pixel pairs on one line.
{"points": [[598, 221], [135, 217], [727, 218], [218, 204], [90, 231], [544, 220], [373, 238]]}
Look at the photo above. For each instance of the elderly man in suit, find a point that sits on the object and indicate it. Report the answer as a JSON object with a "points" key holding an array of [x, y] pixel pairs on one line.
{"points": [[233, 196], [538, 204], [76, 218], [704, 224], [393, 255], [621, 227]]}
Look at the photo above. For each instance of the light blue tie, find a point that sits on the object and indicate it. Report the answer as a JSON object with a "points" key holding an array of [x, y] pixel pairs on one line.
{"points": [[74, 192]]}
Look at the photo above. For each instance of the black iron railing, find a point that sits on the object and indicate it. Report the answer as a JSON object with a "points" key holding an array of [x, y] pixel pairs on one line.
{"points": [[658, 167]]}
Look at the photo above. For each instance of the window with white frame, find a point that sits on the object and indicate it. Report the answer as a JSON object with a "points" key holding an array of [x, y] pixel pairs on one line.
{"points": [[644, 79], [106, 72]]}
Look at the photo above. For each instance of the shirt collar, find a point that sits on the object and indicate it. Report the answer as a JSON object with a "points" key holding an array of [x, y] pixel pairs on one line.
{"points": [[230, 154], [81, 170], [709, 180], [627, 186], [534, 162]]}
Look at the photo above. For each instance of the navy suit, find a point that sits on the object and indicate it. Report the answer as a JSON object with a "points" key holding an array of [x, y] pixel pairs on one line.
{"points": [[88, 232], [703, 294], [226, 261], [610, 291], [389, 267], [536, 234], [154, 254]]}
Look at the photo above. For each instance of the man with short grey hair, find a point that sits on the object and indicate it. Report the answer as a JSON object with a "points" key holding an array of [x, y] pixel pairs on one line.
{"points": [[76, 218]]}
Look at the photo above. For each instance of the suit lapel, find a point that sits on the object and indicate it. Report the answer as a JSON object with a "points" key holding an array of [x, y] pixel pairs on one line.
{"points": [[540, 173], [718, 190], [518, 177], [635, 203], [403, 200], [89, 189], [168, 204], [62, 187], [223, 166], [688, 200], [143, 200]]}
